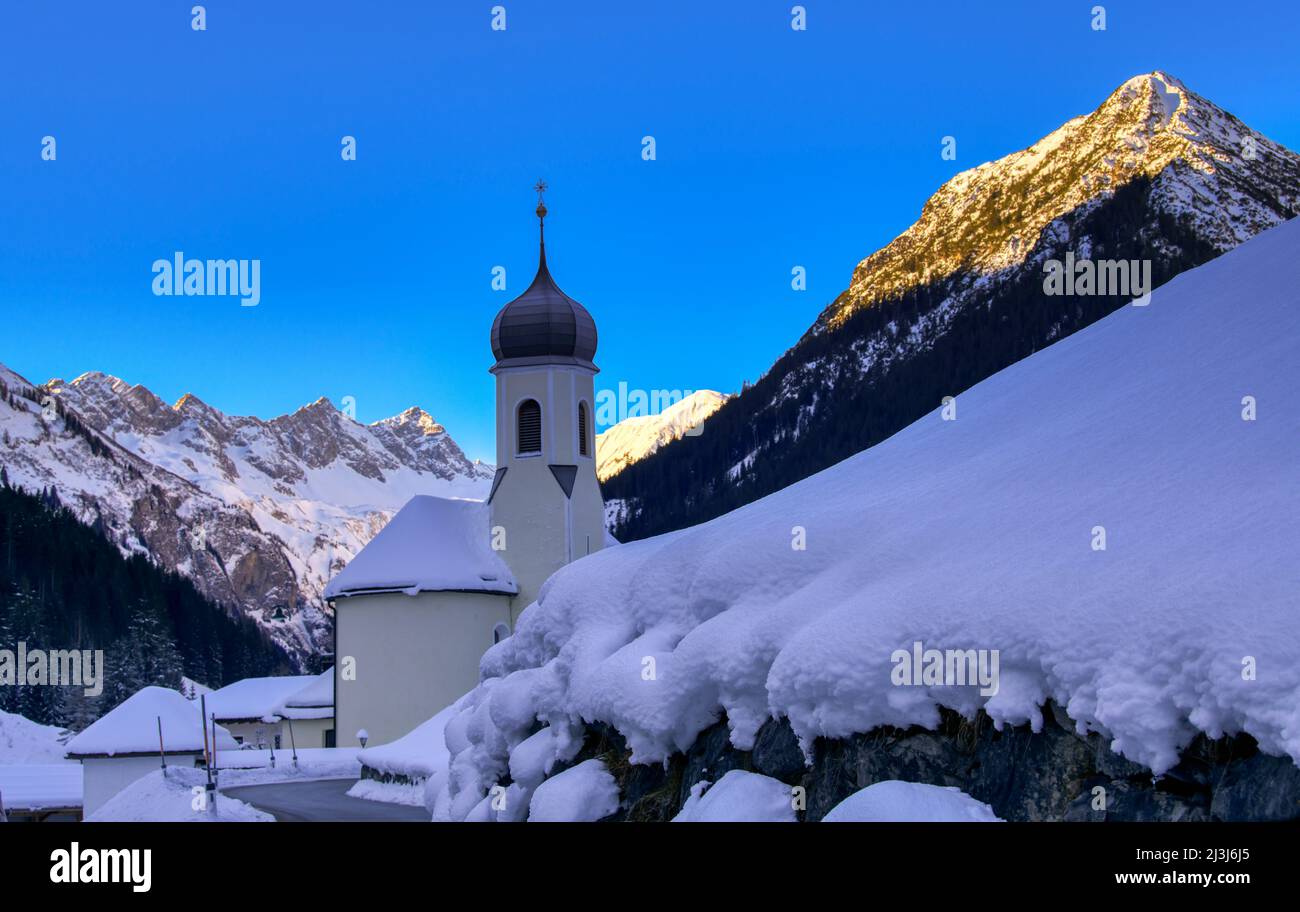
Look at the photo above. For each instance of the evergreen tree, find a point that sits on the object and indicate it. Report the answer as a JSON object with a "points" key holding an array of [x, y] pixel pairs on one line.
{"points": [[64, 586], [146, 656]]}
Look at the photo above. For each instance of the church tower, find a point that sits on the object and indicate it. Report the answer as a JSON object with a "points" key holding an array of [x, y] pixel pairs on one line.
{"points": [[546, 507]]}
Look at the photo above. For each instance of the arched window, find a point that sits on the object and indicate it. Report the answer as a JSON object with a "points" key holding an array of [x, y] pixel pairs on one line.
{"points": [[500, 632], [583, 448], [530, 427]]}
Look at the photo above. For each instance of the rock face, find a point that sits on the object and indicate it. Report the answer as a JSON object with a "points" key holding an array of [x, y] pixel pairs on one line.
{"points": [[260, 514], [1156, 173], [1050, 775]]}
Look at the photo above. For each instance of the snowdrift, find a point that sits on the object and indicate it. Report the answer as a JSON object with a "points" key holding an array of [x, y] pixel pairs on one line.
{"points": [[975, 533]]}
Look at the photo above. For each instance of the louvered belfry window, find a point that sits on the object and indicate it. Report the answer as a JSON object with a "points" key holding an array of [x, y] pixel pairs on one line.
{"points": [[530, 427], [582, 429]]}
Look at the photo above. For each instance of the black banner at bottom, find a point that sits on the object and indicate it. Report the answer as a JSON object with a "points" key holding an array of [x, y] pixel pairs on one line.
{"points": [[319, 860]]}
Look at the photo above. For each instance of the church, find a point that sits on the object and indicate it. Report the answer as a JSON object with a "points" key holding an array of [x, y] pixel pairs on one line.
{"points": [[445, 579]]}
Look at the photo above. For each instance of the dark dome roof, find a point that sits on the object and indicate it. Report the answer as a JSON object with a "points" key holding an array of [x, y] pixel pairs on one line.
{"points": [[544, 326]]}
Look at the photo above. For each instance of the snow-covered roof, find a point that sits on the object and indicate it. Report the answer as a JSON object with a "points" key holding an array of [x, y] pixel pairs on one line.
{"points": [[41, 786], [315, 701], [132, 728], [255, 699], [433, 544]]}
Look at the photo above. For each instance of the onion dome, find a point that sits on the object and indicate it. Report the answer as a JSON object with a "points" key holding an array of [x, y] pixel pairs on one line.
{"points": [[543, 325]]}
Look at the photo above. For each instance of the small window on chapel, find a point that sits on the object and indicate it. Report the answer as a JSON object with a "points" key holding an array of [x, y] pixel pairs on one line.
{"points": [[583, 449], [530, 427]]}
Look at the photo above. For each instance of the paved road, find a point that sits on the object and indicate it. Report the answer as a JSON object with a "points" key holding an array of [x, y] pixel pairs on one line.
{"points": [[321, 799]]}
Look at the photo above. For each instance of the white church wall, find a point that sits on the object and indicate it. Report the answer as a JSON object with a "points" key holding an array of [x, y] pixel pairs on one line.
{"points": [[412, 655]]}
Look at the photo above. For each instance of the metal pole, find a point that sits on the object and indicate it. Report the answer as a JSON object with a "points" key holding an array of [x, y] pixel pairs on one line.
{"points": [[216, 772], [162, 755], [216, 761], [293, 745], [203, 715]]}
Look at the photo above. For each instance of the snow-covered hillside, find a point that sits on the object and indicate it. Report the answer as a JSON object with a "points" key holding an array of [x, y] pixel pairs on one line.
{"points": [[975, 533], [635, 438], [23, 741], [258, 513]]}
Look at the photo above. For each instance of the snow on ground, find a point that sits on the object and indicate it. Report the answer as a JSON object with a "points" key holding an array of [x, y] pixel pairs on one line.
{"points": [[893, 801], [27, 742], [313, 762], [391, 792], [170, 796], [975, 533], [39, 786], [739, 797], [581, 793], [152, 799]]}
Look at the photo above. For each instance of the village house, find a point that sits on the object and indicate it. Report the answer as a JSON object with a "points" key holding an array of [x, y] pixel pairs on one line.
{"points": [[251, 710], [309, 714], [153, 726]]}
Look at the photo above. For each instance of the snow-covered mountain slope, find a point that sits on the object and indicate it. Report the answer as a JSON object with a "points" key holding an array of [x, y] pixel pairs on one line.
{"points": [[1156, 174], [259, 513], [23, 741], [635, 438], [977, 533]]}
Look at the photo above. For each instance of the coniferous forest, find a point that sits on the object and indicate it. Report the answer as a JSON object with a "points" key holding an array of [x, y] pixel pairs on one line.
{"points": [[64, 586], [823, 421]]}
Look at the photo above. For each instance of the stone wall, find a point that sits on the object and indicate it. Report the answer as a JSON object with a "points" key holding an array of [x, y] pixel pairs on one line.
{"points": [[1023, 775]]}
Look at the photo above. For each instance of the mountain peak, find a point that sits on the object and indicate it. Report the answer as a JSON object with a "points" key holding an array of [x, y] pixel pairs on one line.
{"points": [[96, 380], [189, 402], [1205, 165], [414, 417]]}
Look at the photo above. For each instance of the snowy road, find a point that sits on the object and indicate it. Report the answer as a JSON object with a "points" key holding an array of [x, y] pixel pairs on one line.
{"points": [[321, 800]]}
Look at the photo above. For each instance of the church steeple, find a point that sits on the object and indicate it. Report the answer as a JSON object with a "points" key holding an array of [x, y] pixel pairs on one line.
{"points": [[543, 325], [545, 498]]}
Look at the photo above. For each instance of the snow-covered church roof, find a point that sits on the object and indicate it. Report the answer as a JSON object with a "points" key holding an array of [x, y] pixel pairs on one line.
{"points": [[132, 727], [433, 544]]}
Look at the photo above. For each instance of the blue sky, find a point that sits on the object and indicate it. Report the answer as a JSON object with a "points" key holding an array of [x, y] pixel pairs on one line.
{"points": [[775, 148]]}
